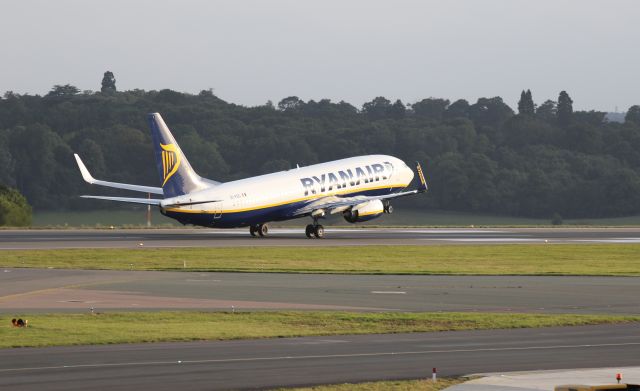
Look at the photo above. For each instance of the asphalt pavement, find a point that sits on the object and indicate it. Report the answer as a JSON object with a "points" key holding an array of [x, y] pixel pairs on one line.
{"points": [[268, 363], [192, 237], [38, 290]]}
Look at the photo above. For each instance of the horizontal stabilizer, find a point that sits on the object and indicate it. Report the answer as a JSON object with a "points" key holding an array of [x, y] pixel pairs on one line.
{"points": [[90, 179], [175, 204], [145, 201]]}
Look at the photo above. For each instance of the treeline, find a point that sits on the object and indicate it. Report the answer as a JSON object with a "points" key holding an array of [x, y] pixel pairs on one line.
{"points": [[483, 157]]}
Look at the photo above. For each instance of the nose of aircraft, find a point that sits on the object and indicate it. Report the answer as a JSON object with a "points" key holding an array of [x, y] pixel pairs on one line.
{"points": [[407, 174]]}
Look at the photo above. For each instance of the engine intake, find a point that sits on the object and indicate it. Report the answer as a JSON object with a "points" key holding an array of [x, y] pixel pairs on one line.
{"points": [[364, 212]]}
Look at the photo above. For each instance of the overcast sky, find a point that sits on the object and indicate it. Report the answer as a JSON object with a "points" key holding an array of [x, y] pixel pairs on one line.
{"points": [[253, 51]]}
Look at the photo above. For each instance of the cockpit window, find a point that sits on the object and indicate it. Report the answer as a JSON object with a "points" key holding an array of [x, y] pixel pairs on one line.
{"points": [[389, 169]]}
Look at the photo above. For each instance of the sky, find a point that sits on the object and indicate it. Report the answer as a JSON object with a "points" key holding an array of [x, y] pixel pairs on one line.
{"points": [[250, 52]]}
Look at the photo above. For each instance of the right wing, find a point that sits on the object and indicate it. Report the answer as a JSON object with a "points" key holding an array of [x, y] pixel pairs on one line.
{"points": [[89, 179]]}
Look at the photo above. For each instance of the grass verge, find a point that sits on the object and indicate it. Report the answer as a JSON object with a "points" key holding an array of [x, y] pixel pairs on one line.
{"points": [[393, 385], [509, 259], [137, 327]]}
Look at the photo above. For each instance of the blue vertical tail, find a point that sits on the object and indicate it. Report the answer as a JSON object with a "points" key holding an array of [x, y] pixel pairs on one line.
{"points": [[176, 175]]}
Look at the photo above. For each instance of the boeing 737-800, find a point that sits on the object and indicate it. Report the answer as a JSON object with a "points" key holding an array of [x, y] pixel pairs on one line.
{"points": [[360, 188]]}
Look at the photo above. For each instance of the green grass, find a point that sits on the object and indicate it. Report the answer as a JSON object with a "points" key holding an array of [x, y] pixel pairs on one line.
{"points": [[393, 385], [133, 327], [509, 259]]}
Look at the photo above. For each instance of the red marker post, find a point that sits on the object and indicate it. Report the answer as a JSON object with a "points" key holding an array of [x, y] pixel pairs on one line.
{"points": [[434, 375], [618, 377]]}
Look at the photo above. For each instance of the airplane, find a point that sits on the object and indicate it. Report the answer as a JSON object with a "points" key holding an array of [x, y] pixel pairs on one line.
{"points": [[359, 188]]}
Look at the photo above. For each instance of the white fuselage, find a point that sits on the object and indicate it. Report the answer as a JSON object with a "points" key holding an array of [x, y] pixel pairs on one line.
{"points": [[272, 197]]}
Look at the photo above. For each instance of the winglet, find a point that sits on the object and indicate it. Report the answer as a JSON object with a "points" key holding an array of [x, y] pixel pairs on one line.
{"points": [[83, 170], [91, 180], [423, 183]]}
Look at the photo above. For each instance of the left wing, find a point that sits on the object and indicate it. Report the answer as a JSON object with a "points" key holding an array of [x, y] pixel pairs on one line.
{"points": [[336, 204], [165, 203], [90, 179], [146, 201]]}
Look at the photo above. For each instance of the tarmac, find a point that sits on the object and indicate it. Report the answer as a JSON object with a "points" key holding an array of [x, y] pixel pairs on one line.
{"points": [[194, 237], [548, 380], [280, 362], [41, 290]]}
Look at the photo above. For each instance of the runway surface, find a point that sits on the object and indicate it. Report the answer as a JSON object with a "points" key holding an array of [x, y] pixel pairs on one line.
{"points": [[36, 290], [121, 238], [304, 361]]}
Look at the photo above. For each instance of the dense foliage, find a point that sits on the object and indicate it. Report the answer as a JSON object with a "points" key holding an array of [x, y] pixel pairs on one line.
{"points": [[14, 209], [480, 157]]}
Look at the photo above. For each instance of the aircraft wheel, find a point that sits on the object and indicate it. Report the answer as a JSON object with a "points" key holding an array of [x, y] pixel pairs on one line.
{"points": [[263, 230], [318, 231], [253, 231], [309, 231], [389, 209]]}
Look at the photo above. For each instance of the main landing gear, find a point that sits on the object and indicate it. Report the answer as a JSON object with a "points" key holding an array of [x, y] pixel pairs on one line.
{"points": [[314, 230], [260, 230]]}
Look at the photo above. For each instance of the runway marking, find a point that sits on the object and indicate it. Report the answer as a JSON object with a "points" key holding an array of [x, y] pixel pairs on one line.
{"points": [[485, 239], [307, 357], [201, 280], [322, 342], [389, 292], [614, 240]]}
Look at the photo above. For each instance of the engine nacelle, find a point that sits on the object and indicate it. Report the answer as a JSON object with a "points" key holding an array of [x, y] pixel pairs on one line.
{"points": [[365, 212]]}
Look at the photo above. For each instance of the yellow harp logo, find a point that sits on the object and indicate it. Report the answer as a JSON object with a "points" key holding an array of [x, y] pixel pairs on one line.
{"points": [[170, 161]]}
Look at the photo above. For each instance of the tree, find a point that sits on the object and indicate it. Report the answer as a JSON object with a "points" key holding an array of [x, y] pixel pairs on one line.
{"points": [[526, 105], [274, 165], [397, 110], [547, 111], [565, 109], [378, 108], [290, 103], [63, 91], [481, 157], [490, 111], [633, 114], [431, 108], [459, 108], [7, 162], [108, 83], [14, 209]]}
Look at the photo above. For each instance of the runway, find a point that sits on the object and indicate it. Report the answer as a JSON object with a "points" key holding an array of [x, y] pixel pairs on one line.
{"points": [[189, 237], [43, 290], [304, 361], [270, 363]]}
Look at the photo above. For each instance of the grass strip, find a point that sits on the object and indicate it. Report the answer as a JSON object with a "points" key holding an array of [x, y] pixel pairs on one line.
{"points": [[392, 385], [138, 327], [509, 259]]}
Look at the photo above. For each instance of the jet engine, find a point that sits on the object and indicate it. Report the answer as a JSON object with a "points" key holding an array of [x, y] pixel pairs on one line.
{"points": [[365, 211]]}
